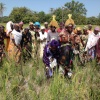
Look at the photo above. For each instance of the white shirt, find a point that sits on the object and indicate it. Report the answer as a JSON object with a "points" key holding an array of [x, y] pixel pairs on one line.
{"points": [[43, 36], [92, 41]]}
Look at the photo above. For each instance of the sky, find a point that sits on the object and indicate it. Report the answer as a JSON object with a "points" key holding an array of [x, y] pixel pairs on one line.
{"points": [[92, 6]]}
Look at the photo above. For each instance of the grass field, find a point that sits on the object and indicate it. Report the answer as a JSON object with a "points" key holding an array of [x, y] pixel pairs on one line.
{"points": [[28, 82]]}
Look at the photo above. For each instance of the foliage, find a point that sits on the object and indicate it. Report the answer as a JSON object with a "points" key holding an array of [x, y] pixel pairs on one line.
{"points": [[2, 8], [26, 15]]}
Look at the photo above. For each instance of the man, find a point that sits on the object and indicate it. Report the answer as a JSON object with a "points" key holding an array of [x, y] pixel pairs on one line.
{"points": [[21, 26], [90, 29], [46, 27], [31, 30], [43, 38], [61, 27]]}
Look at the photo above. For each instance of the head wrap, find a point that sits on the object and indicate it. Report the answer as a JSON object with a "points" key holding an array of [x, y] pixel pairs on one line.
{"points": [[54, 22], [46, 23], [78, 29], [37, 24], [21, 23], [54, 43], [85, 28], [30, 23], [69, 21], [97, 28], [8, 26]]}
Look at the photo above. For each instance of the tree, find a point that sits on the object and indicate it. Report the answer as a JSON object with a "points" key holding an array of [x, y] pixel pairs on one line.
{"points": [[76, 8], [18, 14], [2, 8]]}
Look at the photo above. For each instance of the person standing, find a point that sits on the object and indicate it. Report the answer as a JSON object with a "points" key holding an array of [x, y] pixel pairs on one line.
{"points": [[53, 34], [46, 27], [14, 49]]}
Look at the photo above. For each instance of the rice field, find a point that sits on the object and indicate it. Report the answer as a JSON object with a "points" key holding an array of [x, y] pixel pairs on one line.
{"points": [[28, 82]]}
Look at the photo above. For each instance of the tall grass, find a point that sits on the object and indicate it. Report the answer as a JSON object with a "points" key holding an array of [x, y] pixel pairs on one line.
{"points": [[29, 82]]}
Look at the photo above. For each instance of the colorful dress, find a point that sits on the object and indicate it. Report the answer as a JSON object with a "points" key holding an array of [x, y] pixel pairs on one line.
{"points": [[50, 59], [14, 46], [1, 46]]}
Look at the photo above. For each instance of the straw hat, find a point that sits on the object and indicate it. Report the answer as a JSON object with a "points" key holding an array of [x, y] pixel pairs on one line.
{"points": [[69, 20], [54, 22]]}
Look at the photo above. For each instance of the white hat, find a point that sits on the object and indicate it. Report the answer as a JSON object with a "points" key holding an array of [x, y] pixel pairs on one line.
{"points": [[42, 27]]}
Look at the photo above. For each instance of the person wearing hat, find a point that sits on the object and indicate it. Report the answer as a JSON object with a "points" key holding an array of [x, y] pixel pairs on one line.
{"points": [[43, 38], [50, 57], [53, 34], [79, 45], [9, 29], [31, 30], [46, 27], [66, 46], [91, 43]]}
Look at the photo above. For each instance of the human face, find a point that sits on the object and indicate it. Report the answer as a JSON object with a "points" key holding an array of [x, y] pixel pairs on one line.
{"points": [[85, 31], [69, 29], [79, 32], [31, 27], [46, 25], [96, 32], [53, 28], [53, 48]]}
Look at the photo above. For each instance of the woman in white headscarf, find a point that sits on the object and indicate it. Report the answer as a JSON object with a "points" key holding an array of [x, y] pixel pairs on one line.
{"points": [[9, 28]]}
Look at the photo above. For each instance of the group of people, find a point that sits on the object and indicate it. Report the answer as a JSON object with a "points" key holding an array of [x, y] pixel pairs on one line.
{"points": [[57, 44]]}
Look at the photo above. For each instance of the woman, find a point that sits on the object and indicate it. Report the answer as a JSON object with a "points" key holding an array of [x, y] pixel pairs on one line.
{"points": [[14, 49], [98, 51], [91, 43], [2, 45], [26, 42], [9, 28], [53, 34], [50, 57]]}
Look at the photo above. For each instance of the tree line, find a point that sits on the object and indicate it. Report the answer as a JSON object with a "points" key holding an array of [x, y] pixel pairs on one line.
{"points": [[26, 15]]}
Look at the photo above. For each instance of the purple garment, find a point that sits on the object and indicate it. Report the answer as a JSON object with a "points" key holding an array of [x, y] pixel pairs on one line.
{"points": [[48, 53]]}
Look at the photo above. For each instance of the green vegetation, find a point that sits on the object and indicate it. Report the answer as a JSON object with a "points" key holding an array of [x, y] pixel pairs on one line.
{"points": [[76, 8], [28, 82]]}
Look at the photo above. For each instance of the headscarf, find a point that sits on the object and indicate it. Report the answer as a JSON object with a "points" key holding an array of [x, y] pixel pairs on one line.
{"points": [[54, 43], [21, 23], [8, 27]]}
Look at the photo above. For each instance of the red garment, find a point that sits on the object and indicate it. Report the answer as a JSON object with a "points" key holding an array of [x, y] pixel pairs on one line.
{"points": [[59, 30], [46, 30], [98, 48]]}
